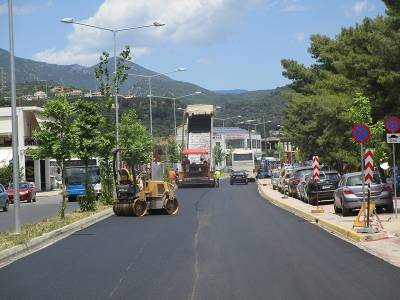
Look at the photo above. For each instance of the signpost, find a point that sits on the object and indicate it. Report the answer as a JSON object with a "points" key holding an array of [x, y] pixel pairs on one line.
{"points": [[369, 173], [315, 176], [392, 125], [361, 134]]}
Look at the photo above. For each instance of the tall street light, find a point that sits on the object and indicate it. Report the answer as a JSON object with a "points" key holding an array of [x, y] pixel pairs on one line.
{"points": [[149, 77], [14, 120], [114, 32], [229, 118], [174, 104]]}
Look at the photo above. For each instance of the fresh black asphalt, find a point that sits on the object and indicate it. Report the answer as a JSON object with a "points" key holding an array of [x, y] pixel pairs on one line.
{"points": [[225, 243], [43, 208]]}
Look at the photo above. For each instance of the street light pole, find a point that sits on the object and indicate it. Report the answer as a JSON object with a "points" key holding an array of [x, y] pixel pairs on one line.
{"points": [[116, 95], [149, 77], [174, 105], [14, 121], [151, 110], [114, 32]]}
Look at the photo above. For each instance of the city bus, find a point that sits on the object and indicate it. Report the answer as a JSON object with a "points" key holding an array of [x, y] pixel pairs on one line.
{"points": [[75, 177], [244, 160]]}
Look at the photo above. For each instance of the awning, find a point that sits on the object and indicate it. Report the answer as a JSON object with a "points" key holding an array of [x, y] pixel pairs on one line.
{"points": [[194, 151], [5, 126], [199, 109], [5, 156]]}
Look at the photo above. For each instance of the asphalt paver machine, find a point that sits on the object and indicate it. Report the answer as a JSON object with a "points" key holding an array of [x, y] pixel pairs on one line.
{"points": [[136, 196]]}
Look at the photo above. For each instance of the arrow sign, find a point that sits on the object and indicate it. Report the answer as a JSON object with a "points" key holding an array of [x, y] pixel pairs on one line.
{"points": [[361, 133], [368, 166], [316, 167], [392, 124]]}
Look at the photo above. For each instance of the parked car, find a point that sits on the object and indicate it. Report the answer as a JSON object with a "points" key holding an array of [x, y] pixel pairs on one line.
{"points": [[3, 198], [239, 177], [27, 192], [275, 179], [349, 194], [323, 189], [298, 176], [301, 186]]}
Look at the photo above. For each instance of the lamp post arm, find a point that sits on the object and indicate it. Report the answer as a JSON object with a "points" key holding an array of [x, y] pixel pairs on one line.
{"points": [[94, 26]]}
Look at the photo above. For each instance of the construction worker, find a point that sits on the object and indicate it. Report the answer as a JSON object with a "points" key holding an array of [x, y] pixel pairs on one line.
{"points": [[172, 175], [217, 176]]}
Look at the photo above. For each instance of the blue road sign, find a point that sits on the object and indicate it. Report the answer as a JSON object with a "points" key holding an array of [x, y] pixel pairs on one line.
{"points": [[361, 133], [392, 124]]}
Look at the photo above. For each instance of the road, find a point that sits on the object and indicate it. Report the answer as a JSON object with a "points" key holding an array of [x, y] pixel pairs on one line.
{"points": [[43, 208], [226, 243]]}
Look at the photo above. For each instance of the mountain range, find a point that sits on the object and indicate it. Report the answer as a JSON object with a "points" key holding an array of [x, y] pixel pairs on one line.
{"points": [[249, 104]]}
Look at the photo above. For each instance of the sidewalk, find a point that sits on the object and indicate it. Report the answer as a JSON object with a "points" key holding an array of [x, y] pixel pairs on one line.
{"points": [[49, 193], [387, 248]]}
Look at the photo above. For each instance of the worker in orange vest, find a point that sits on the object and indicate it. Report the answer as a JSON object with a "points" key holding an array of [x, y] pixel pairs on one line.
{"points": [[172, 175]]}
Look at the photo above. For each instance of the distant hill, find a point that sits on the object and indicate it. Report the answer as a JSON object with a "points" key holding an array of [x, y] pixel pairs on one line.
{"points": [[228, 92], [249, 104]]}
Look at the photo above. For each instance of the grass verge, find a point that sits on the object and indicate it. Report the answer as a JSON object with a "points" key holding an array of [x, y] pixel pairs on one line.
{"points": [[30, 231]]}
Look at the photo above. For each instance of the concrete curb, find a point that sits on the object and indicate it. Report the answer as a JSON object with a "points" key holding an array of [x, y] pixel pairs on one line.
{"points": [[345, 232], [10, 255]]}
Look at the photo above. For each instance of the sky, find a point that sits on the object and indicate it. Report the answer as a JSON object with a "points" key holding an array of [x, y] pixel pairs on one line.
{"points": [[224, 44]]}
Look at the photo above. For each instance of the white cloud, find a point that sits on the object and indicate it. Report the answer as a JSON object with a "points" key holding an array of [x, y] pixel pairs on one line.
{"points": [[198, 21], [72, 56], [361, 7]]}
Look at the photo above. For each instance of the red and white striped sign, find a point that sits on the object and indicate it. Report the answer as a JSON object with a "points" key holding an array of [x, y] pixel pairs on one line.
{"points": [[316, 167], [368, 166]]}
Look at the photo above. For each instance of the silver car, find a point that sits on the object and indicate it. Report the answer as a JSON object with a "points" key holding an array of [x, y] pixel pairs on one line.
{"points": [[349, 194]]}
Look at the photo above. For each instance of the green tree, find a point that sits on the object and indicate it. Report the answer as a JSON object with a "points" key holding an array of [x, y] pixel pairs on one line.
{"points": [[218, 154], [106, 84], [173, 151], [281, 152], [89, 126], [135, 139], [56, 137]]}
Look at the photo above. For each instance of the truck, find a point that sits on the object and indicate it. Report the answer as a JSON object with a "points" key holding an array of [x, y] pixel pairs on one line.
{"points": [[197, 155], [244, 160]]}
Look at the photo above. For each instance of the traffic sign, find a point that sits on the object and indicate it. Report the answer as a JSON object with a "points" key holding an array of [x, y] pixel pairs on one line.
{"points": [[361, 133], [368, 166], [392, 124], [393, 138], [316, 167]]}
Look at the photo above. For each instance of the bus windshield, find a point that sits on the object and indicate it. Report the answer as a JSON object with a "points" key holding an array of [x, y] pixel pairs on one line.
{"points": [[76, 175], [242, 156]]}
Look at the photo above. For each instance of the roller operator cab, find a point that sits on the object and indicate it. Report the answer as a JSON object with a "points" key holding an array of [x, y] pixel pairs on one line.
{"points": [[136, 195]]}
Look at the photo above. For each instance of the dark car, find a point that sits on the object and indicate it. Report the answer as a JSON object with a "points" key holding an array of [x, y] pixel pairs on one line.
{"points": [[299, 175], [349, 194], [239, 177], [26, 192], [322, 189]]}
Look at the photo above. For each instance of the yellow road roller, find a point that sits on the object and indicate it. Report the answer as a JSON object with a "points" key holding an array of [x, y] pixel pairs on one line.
{"points": [[137, 197]]}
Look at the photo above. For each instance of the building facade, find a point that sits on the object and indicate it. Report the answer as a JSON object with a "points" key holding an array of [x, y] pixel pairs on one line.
{"points": [[28, 119]]}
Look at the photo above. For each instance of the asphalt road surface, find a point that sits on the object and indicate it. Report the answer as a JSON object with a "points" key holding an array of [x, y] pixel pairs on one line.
{"points": [[43, 208], [226, 243]]}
